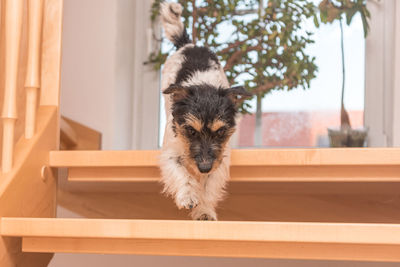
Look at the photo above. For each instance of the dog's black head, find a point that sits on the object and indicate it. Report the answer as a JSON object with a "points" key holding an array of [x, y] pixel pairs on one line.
{"points": [[204, 119]]}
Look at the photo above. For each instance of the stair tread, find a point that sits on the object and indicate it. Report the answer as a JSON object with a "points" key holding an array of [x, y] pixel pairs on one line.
{"points": [[361, 233], [247, 165], [294, 240], [239, 157]]}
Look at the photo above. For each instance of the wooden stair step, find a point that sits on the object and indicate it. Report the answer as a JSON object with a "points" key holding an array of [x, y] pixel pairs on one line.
{"points": [[247, 165], [291, 240]]}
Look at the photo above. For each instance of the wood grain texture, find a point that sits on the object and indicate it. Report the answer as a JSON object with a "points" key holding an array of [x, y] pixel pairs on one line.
{"points": [[21, 93], [239, 207], [342, 233], [69, 138], [76, 136], [246, 239], [22, 191], [239, 157], [14, 11], [51, 53], [247, 174], [275, 250], [32, 80], [296, 165], [50, 59], [35, 23]]}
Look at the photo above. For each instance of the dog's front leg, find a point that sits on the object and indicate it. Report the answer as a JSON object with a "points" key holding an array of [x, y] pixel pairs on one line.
{"points": [[212, 191], [178, 183], [187, 194]]}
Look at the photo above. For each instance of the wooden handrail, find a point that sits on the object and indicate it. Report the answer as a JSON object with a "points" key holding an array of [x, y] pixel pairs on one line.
{"points": [[32, 81], [13, 29]]}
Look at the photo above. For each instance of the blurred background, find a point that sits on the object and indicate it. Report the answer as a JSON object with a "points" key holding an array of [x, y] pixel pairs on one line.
{"points": [[313, 65]]}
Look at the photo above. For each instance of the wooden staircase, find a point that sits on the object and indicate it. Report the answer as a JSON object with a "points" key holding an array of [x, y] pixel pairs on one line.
{"points": [[331, 204], [361, 173]]}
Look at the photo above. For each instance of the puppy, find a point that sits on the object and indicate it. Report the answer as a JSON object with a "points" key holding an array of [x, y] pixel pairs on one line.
{"points": [[200, 110]]}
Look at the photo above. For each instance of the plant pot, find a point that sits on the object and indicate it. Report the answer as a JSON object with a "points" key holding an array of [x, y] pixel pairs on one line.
{"points": [[347, 137]]}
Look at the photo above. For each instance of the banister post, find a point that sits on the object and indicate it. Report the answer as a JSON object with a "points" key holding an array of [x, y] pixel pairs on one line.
{"points": [[32, 81], [13, 29]]}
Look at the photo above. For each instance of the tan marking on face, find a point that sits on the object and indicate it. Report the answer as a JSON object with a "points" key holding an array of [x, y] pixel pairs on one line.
{"points": [[187, 161], [194, 122], [216, 124], [220, 157]]}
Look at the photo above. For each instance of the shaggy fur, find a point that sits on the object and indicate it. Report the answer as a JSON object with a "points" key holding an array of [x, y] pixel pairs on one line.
{"points": [[201, 110]]}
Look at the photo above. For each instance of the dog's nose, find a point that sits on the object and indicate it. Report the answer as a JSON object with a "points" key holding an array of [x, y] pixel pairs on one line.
{"points": [[205, 166]]}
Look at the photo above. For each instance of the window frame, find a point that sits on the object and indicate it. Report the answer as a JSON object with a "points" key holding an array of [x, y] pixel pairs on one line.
{"points": [[382, 85], [145, 82]]}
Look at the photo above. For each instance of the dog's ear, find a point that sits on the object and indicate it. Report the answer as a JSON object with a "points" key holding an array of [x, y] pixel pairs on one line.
{"points": [[238, 94], [178, 92]]}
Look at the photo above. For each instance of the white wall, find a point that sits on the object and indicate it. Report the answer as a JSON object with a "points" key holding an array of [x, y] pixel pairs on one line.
{"points": [[97, 67]]}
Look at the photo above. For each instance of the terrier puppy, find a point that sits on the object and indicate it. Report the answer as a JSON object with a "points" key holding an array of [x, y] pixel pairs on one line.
{"points": [[201, 108]]}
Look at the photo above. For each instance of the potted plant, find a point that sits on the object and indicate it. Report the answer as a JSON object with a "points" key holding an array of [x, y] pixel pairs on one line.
{"points": [[337, 10], [265, 49]]}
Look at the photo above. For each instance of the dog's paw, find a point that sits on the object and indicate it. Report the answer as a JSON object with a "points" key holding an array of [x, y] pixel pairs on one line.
{"points": [[206, 217], [187, 201]]}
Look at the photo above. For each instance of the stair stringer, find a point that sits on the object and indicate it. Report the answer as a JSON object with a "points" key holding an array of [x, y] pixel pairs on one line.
{"points": [[25, 193]]}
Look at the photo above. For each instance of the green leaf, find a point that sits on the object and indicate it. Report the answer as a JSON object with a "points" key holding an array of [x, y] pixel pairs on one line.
{"points": [[316, 22]]}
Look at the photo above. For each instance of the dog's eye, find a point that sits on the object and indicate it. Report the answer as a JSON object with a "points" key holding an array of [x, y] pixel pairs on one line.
{"points": [[221, 132], [191, 131]]}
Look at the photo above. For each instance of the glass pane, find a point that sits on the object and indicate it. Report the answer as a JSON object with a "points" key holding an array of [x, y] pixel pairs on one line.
{"points": [[300, 118]]}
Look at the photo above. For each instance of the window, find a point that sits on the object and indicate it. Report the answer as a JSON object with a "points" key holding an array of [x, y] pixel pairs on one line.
{"points": [[300, 118]]}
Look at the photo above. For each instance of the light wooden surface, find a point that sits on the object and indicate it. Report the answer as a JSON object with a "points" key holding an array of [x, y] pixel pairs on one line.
{"points": [[22, 191], [13, 31], [68, 135], [21, 92], [76, 136], [50, 60], [286, 165], [275, 250], [8, 144], [238, 239], [35, 22], [51, 53], [240, 157], [238, 207], [247, 174], [32, 81], [198, 230]]}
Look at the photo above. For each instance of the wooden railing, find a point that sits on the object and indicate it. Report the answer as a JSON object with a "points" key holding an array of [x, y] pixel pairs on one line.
{"points": [[32, 82], [30, 58], [13, 30], [30, 61]]}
